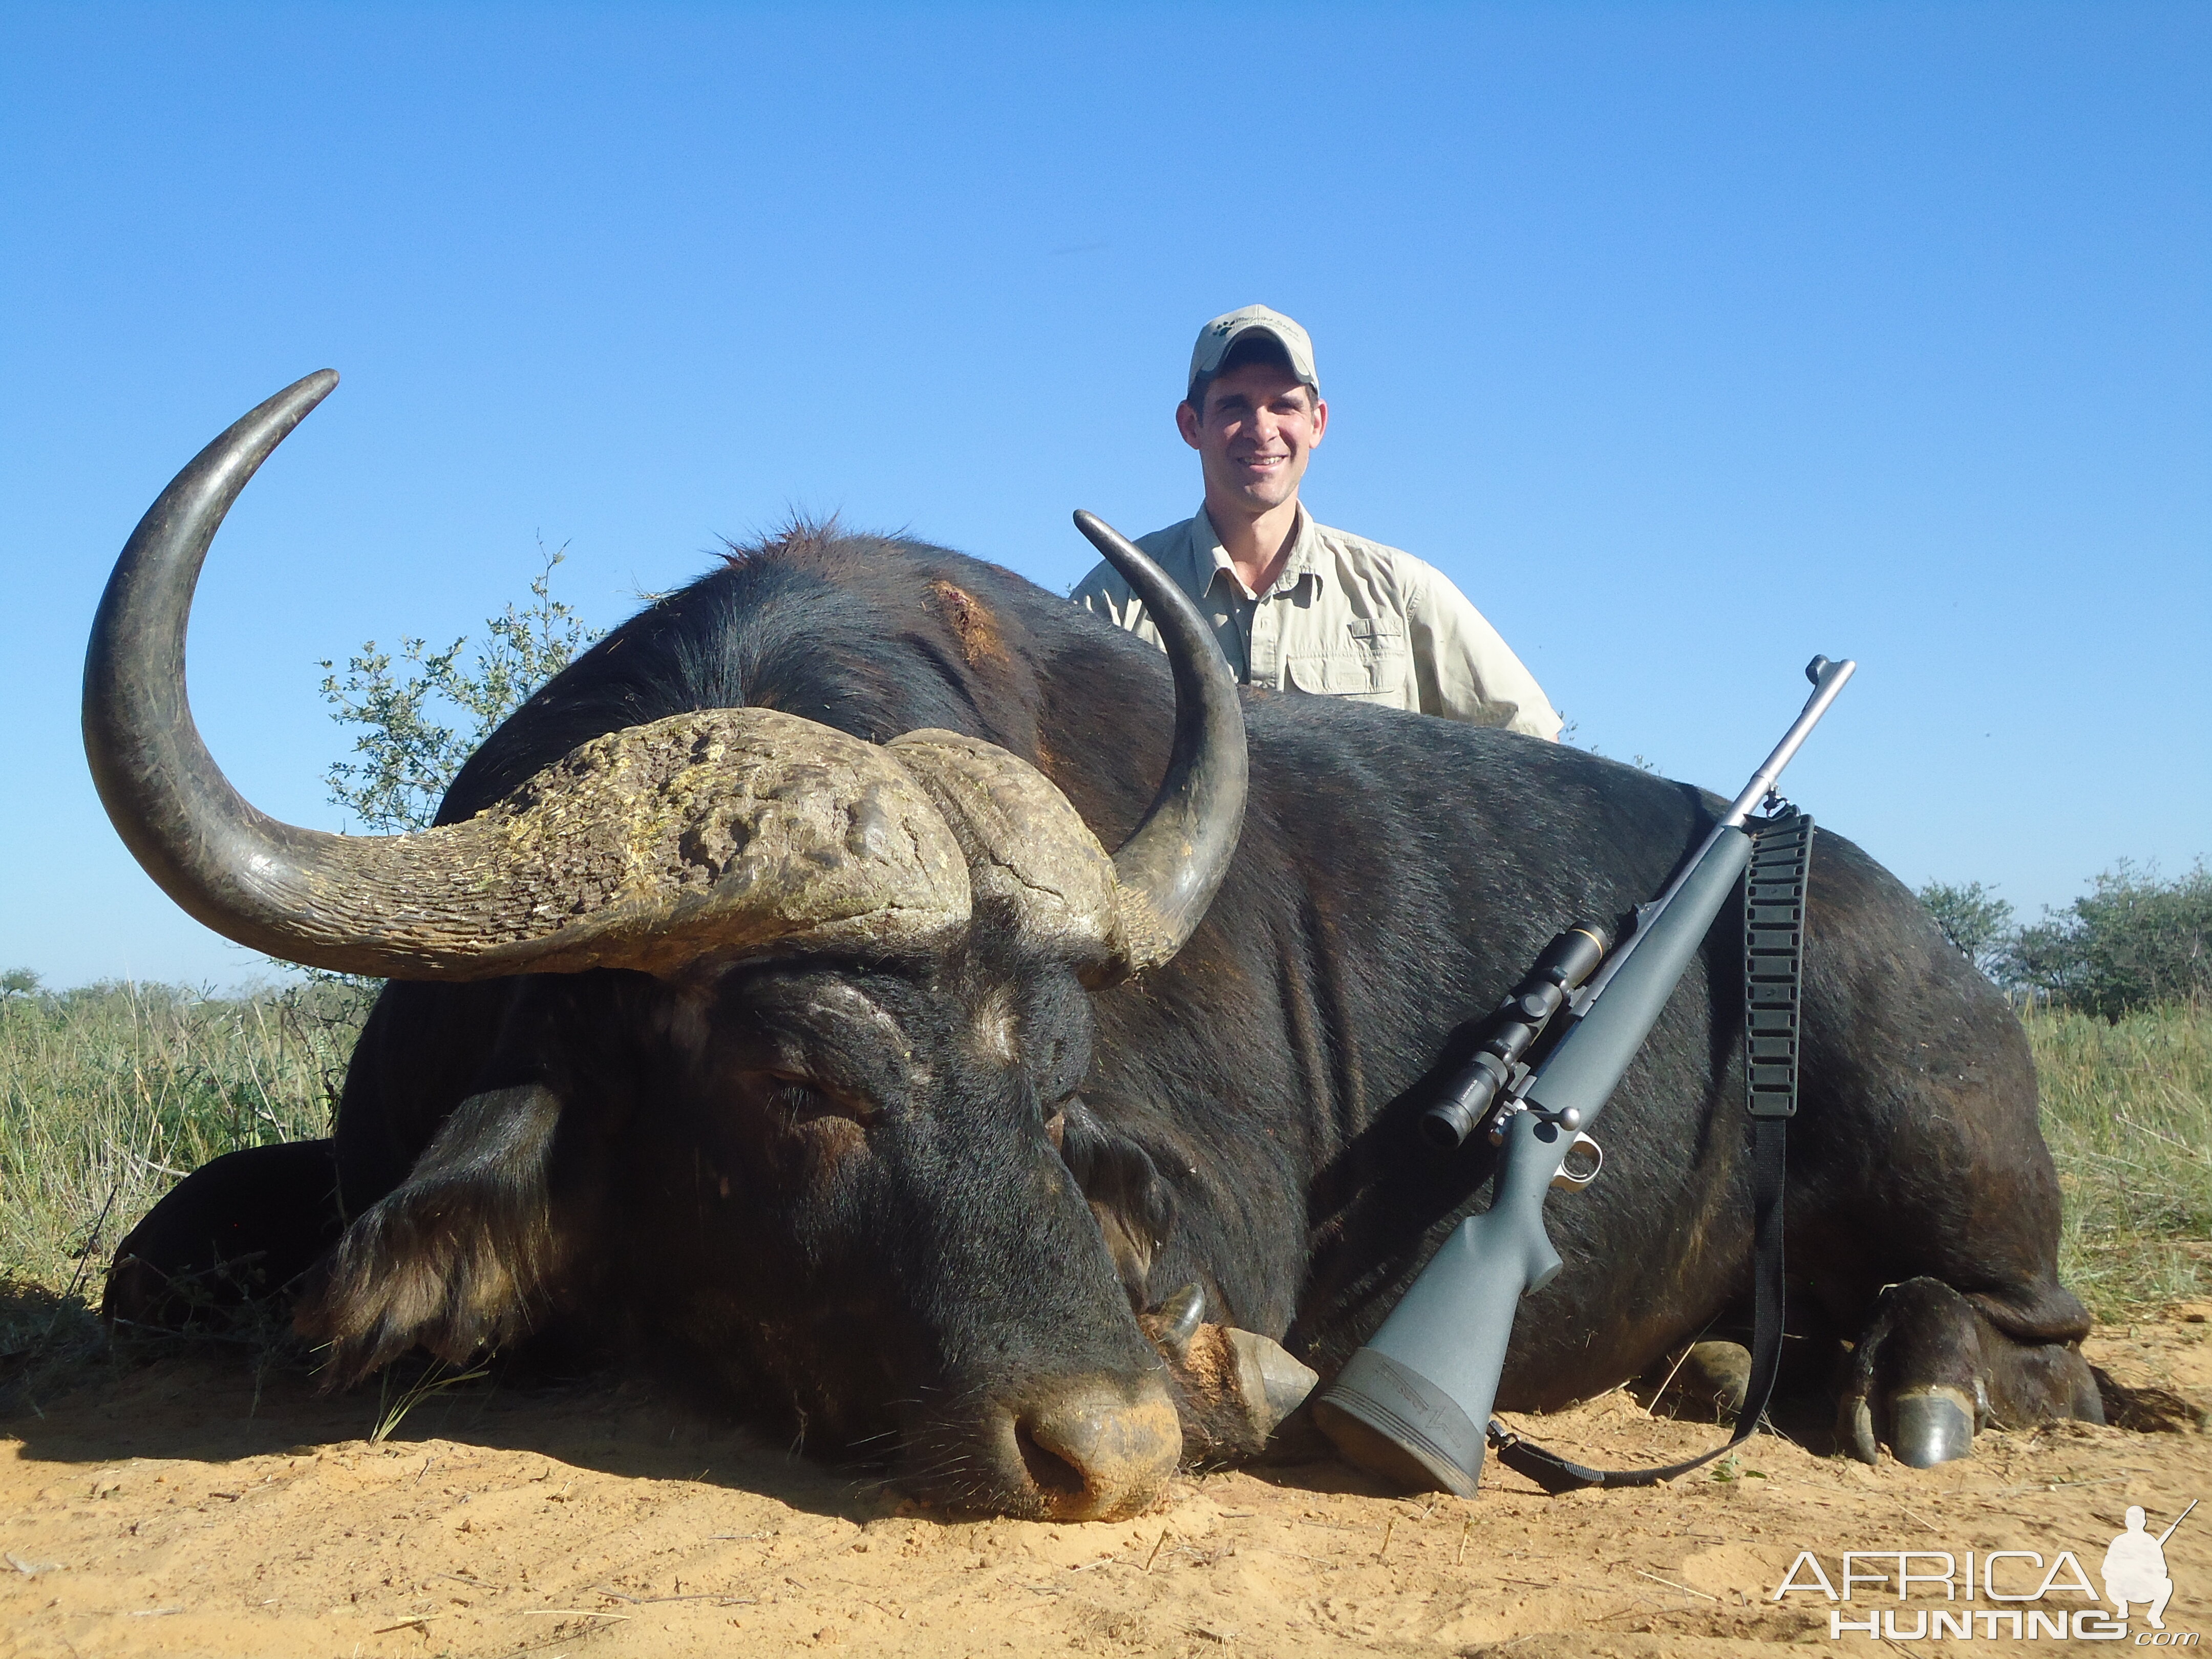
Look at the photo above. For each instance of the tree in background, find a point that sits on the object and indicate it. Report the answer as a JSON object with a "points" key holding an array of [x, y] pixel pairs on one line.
{"points": [[406, 753], [2133, 941], [410, 737], [1975, 920]]}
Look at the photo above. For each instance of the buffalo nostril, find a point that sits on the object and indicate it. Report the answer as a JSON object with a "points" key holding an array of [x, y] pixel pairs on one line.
{"points": [[1053, 1473], [1096, 1452]]}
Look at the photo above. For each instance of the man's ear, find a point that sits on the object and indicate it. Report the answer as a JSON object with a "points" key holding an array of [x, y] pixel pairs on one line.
{"points": [[1321, 421], [1188, 423]]}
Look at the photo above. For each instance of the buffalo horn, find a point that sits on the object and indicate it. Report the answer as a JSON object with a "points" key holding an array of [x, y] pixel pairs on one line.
{"points": [[720, 832], [1028, 852], [1173, 862]]}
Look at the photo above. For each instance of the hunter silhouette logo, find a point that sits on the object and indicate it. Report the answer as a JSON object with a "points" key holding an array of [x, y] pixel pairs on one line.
{"points": [[2134, 1568], [2031, 1598]]}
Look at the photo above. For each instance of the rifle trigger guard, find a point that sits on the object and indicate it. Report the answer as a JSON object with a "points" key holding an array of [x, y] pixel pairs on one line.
{"points": [[1567, 1180]]}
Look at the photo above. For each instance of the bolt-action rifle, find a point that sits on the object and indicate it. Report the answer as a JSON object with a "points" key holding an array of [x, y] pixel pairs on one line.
{"points": [[1414, 1404]]}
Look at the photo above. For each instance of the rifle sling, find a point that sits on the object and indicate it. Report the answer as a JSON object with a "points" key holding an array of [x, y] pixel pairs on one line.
{"points": [[1774, 958]]}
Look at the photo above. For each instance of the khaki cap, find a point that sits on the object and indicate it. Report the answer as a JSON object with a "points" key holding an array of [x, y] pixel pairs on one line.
{"points": [[1215, 339]]}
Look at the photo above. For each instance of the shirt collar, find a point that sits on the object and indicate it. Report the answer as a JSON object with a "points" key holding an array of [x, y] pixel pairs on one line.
{"points": [[1209, 558]]}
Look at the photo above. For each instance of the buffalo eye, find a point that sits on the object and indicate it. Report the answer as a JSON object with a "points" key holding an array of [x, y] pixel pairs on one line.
{"points": [[796, 1100]]}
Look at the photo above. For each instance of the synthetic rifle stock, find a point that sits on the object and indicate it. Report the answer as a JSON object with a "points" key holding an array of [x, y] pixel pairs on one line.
{"points": [[1412, 1404]]}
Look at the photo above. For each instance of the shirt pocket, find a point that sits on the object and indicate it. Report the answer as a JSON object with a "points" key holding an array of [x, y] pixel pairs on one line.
{"points": [[1370, 667]]}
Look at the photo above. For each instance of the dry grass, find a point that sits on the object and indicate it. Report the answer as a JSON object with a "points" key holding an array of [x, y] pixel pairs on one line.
{"points": [[2127, 1107], [108, 1093]]}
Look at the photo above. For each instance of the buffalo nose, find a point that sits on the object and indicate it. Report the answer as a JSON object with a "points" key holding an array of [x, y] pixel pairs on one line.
{"points": [[1096, 1451]]}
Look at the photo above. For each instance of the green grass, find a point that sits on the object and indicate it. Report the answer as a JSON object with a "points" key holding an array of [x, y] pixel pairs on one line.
{"points": [[2127, 1108], [106, 1093]]}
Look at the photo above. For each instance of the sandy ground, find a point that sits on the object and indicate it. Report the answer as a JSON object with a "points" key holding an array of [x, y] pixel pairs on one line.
{"points": [[170, 1511]]}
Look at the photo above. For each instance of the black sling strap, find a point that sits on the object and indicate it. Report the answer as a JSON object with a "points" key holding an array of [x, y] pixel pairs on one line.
{"points": [[1774, 957]]}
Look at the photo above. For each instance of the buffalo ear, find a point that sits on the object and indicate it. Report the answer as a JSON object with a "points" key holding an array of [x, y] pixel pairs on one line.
{"points": [[1134, 1206], [457, 1256]]}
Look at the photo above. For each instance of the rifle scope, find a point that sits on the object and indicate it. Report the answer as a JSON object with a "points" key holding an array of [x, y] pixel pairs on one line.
{"points": [[1516, 1024]]}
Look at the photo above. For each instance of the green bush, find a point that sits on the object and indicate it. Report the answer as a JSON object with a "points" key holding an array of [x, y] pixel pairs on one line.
{"points": [[2133, 942], [1975, 920], [412, 734], [405, 750]]}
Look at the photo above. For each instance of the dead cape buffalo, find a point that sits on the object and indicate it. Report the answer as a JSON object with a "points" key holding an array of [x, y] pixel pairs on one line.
{"points": [[767, 1003]]}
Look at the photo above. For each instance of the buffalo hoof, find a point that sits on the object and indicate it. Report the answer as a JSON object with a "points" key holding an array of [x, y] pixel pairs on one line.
{"points": [[1930, 1426], [1269, 1382], [1914, 1377], [1237, 1386], [1854, 1429]]}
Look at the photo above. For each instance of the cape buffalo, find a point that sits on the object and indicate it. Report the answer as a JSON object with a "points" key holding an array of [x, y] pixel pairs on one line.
{"points": [[766, 999]]}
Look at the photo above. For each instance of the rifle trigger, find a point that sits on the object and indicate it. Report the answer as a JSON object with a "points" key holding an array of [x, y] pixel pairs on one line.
{"points": [[1570, 1180]]}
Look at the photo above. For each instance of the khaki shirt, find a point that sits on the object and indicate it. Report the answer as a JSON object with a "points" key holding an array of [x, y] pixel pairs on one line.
{"points": [[1345, 618]]}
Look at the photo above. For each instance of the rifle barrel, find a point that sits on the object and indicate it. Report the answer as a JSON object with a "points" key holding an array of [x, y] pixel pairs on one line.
{"points": [[1828, 678], [2178, 1520]]}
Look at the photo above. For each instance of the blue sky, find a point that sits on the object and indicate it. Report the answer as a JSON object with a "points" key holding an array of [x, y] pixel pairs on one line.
{"points": [[1689, 339]]}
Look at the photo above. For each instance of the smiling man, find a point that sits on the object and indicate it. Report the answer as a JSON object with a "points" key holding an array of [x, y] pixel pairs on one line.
{"points": [[1297, 605]]}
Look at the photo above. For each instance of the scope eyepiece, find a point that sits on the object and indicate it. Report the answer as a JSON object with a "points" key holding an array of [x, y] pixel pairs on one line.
{"points": [[1446, 1125]]}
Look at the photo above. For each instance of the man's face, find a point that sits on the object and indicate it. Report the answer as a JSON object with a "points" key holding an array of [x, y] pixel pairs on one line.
{"points": [[1260, 425]]}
